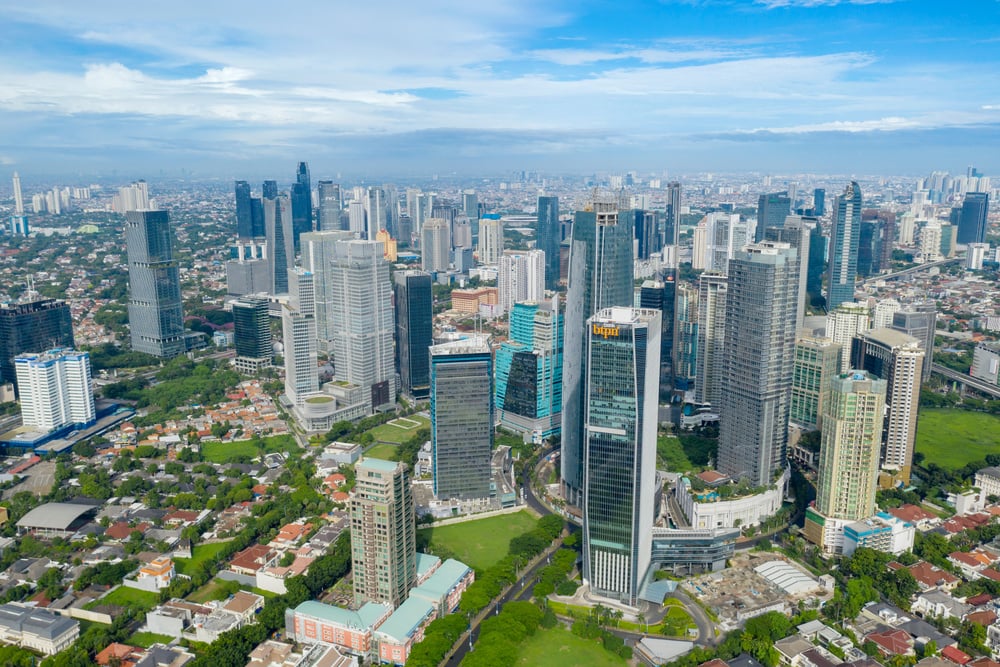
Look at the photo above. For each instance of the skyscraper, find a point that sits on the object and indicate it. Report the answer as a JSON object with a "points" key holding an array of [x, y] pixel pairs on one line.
{"points": [[919, 321], [357, 219], [248, 271], [301, 203], [757, 361], [845, 322], [18, 221], [55, 389], [376, 210], [712, 290], [244, 213], [252, 334], [18, 197], [520, 277], [155, 317], [661, 295], [851, 440], [845, 235], [622, 390], [686, 336], [318, 252], [819, 202], [529, 370], [672, 218], [772, 209], [896, 358], [362, 320], [972, 223], [798, 231], [435, 245], [600, 276], [548, 238], [462, 417], [646, 231], [414, 331], [490, 241], [383, 533], [278, 224], [42, 324], [299, 339], [817, 362], [329, 205]]}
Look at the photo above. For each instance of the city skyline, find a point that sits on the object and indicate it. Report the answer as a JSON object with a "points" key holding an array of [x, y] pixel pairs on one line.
{"points": [[530, 85]]}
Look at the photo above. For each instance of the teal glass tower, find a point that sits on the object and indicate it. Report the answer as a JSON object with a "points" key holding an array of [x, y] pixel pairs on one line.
{"points": [[845, 237], [622, 387], [155, 315], [529, 371]]}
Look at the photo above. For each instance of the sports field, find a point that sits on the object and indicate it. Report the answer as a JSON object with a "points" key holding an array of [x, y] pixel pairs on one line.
{"points": [[952, 438], [558, 647], [399, 430], [482, 542]]}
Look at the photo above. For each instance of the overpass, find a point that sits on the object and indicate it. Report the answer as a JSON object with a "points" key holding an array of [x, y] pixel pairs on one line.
{"points": [[912, 269], [967, 380]]}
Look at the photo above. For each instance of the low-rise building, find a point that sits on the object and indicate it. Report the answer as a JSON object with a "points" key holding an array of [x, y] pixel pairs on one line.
{"points": [[36, 629], [708, 509], [349, 630], [882, 532], [443, 589], [404, 628]]}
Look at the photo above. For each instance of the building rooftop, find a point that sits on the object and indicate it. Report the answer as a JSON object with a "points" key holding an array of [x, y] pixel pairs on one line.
{"points": [[406, 619], [444, 579], [380, 465], [362, 619], [426, 563], [470, 344], [35, 621], [892, 337], [54, 516]]}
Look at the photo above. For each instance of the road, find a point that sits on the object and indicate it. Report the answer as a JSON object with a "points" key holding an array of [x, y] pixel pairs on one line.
{"points": [[969, 381], [529, 494], [912, 269]]}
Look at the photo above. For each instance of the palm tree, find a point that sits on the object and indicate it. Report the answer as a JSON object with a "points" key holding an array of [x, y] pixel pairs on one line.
{"points": [[642, 619]]}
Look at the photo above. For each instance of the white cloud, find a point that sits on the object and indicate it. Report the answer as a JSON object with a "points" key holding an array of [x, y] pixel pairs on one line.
{"points": [[777, 4]]}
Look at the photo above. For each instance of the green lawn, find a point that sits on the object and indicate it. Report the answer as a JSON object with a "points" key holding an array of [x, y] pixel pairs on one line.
{"points": [[201, 553], [399, 431], [952, 438], [482, 542], [215, 589], [558, 646], [382, 451], [675, 623], [129, 597], [670, 454], [227, 452], [147, 639]]}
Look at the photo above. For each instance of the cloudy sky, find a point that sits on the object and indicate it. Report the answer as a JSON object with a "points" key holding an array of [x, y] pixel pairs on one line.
{"points": [[418, 86]]}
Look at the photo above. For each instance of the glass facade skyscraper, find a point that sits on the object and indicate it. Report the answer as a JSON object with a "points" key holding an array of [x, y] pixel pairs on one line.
{"points": [[845, 236], [301, 203], [252, 334], [278, 224], [33, 326], [414, 331], [972, 222], [462, 417], [244, 211], [772, 209], [330, 206], [548, 238], [600, 276], [156, 319], [622, 395]]}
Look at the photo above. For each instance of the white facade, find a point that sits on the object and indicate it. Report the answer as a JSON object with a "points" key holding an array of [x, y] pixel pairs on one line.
{"points": [[741, 512], [490, 241], [301, 373], [930, 242], [842, 324], [975, 256], [882, 532], [435, 245], [988, 481], [883, 312], [318, 250], [55, 389], [357, 219], [521, 277]]}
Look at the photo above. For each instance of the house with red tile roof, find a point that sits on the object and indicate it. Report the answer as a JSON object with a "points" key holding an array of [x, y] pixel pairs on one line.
{"points": [[985, 618], [892, 642], [955, 655], [929, 577], [253, 558]]}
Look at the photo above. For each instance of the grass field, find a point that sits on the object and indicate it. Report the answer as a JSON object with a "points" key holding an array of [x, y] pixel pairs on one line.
{"points": [[670, 454], [382, 451], [201, 553], [399, 430], [676, 621], [558, 646], [953, 438], [226, 452], [482, 542], [215, 589], [129, 597], [147, 639]]}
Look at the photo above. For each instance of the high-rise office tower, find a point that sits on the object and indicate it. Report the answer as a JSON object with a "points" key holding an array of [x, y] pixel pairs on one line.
{"points": [[42, 324], [869, 250], [383, 533], [725, 235], [278, 224], [600, 276], [318, 252], [548, 238], [883, 313], [490, 241], [18, 197], [252, 334], [976, 255], [685, 336], [972, 223], [772, 209], [757, 361], [845, 322], [672, 217], [817, 362], [55, 389], [257, 217], [299, 339], [850, 442], [520, 277], [661, 295], [269, 189], [622, 395], [647, 233], [529, 370], [470, 206], [357, 219], [329, 205], [301, 197], [845, 234], [156, 320], [919, 321], [248, 271], [435, 244], [362, 320], [798, 232], [819, 202], [896, 358], [376, 210], [18, 221], [462, 417], [712, 291], [414, 331], [302, 290], [244, 214]]}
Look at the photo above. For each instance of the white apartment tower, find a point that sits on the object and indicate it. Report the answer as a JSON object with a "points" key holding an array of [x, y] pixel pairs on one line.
{"points": [[520, 277], [845, 322], [490, 241], [55, 389]]}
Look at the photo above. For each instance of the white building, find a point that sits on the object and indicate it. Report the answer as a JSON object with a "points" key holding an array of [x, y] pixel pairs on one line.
{"points": [[521, 277], [882, 532], [842, 324], [930, 242], [55, 389], [435, 245], [988, 481], [490, 241], [976, 254], [36, 629], [883, 312], [301, 373], [709, 511]]}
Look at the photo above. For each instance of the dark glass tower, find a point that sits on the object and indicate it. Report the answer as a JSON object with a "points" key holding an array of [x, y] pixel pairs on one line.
{"points": [[329, 205], [600, 276], [244, 212], [548, 238], [972, 223], [660, 295], [270, 190], [35, 326], [868, 248], [672, 219], [772, 209], [278, 223], [646, 232], [155, 316], [819, 202], [301, 203], [414, 331], [845, 235], [252, 328]]}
